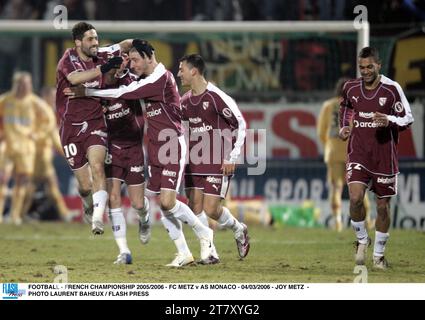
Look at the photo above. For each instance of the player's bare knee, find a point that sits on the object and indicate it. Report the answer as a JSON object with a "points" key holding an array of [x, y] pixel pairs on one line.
{"points": [[356, 200], [114, 200], [382, 210], [213, 210], [98, 170], [84, 189], [137, 204], [196, 207], [167, 204]]}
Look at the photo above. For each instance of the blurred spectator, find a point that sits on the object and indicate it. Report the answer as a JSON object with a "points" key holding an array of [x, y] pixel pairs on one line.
{"points": [[13, 49], [76, 9], [219, 10], [141, 10], [282, 10], [18, 107], [47, 134], [5, 163], [16, 9], [331, 9]]}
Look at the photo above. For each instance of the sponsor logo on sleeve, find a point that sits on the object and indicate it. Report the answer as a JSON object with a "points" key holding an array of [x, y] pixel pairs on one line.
{"points": [[398, 107], [227, 112]]}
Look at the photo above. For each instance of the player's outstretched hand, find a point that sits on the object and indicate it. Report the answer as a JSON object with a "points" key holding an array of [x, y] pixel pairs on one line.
{"points": [[75, 92], [380, 119], [113, 63], [228, 168], [344, 133]]}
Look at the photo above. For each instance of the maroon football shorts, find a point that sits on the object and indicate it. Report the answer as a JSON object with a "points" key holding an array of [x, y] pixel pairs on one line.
{"points": [[382, 186], [213, 185], [166, 167], [125, 164], [78, 138]]}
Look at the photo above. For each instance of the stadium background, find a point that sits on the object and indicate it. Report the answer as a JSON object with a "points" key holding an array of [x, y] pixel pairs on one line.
{"points": [[279, 80]]}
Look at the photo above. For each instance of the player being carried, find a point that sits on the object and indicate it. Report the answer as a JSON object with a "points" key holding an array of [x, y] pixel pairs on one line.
{"points": [[82, 122], [166, 145], [212, 116], [379, 111]]}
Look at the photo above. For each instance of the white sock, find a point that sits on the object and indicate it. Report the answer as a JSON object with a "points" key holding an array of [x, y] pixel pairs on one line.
{"points": [[175, 231], [228, 221], [182, 212], [203, 218], [360, 230], [119, 229], [99, 204], [380, 242], [144, 212], [172, 225], [87, 200]]}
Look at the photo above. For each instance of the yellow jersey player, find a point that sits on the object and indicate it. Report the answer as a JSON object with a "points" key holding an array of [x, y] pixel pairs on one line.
{"points": [[18, 125], [335, 154], [46, 140], [5, 163]]}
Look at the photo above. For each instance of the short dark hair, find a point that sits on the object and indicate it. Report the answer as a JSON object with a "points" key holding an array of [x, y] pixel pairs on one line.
{"points": [[196, 61], [79, 29], [143, 47], [368, 52]]}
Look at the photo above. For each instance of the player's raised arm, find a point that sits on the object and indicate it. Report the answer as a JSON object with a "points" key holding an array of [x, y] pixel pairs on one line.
{"points": [[126, 45], [79, 77], [135, 90]]}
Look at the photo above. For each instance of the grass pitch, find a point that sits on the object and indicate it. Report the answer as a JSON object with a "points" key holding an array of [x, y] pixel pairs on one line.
{"points": [[29, 254]]}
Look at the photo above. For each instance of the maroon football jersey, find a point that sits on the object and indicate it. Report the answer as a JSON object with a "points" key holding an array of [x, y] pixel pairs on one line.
{"points": [[161, 97], [124, 119], [125, 128], [80, 109], [374, 148], [214, 119]]}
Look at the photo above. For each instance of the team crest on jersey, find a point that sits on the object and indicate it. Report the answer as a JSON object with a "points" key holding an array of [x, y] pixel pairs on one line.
{"points": [[205, 105], [398, 107], [382, 101], [73, 58]]}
